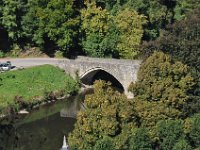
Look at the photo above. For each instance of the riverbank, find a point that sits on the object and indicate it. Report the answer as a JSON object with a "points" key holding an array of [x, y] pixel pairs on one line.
{"points": [[27, 88]]}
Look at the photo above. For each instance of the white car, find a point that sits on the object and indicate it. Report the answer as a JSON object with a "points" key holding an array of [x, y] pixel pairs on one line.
{"points": [[5, 66]]}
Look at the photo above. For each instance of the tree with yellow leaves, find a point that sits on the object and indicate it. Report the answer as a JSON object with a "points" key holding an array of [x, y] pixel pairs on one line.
{"points": [[110, 35], [108, 114], [162, 89], [130, 26]]}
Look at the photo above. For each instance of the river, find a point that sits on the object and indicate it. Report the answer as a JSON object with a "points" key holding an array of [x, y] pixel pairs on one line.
{"points": [[43, 128]]}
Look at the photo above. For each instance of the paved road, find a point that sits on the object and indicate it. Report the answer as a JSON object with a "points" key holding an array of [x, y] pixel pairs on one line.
{"points": [[28, 62]]}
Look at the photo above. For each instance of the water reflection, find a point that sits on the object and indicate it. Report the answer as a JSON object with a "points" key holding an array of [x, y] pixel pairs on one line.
{"points": [[42, 129]]}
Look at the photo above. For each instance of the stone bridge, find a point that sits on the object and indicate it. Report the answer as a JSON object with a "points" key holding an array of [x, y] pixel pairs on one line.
{"points": [[121, 72]]}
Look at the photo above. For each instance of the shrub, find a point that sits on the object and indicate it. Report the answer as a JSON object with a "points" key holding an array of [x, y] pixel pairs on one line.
{"points": [[104, 144], [140, 140]]}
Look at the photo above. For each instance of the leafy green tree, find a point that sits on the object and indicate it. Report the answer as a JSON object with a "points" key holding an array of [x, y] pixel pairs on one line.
{"points": [[185, 6], [2, 37], [181, 41], [95, 23], [105, 143], [109, 35], [130, 26], [12, 12], [194, 130], [61, 22], [159, 14], [169, 133], [108, 113], [107, 4], [30, 24], [182, 145], [140, 140], [1, 12], [162, 89], [54, 22], [110, 42]]}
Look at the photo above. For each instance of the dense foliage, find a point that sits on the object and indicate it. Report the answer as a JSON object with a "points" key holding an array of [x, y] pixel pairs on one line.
{"points": [[105, 143], [163, 87], [109, 113], [111, 121], [181, 41], [140, 140], [98, 28], [165, 111], [109, 35]]}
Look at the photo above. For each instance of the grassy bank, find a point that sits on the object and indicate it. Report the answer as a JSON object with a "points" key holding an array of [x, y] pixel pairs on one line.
{"points": [[29, 87]]}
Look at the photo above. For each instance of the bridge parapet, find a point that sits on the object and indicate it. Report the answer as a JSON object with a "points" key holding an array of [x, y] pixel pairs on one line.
{"points": [[125, 71]]}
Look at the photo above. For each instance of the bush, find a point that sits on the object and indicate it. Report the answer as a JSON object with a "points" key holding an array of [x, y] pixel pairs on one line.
{"points": [[58, 54], [194, 133], [2, 54], [169, 133], [104, 144], [140, 140], [182, 145], [15, 52]]}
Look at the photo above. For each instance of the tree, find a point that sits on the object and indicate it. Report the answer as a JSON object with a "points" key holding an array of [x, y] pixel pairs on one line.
{"points": [[185, 6], [3, 37], [140, 140], [54, 22], [30, 24], [130, 26], [162, 89], [181, 41], [169, 133], [194, 130], [105, 143], [95, 24], [182, 144], [110, 35], [1, 12], [61, 23], [161, 13], [12, 12], [158, 12], [109, 113]]}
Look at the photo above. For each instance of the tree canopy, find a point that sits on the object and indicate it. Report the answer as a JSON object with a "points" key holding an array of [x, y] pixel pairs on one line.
{"points": [[98, 28], [103, 31], [162, 89], [181, 42], [109, 113]]}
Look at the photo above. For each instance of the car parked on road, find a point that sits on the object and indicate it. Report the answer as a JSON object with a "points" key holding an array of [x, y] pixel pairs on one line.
{"points": [[5, 66]]}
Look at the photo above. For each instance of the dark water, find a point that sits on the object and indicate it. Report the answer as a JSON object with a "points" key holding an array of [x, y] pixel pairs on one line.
{"points": [[42, 129]]}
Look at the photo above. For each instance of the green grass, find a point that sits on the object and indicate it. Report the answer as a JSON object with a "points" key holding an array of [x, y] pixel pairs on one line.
{"points": [[32, 84]]}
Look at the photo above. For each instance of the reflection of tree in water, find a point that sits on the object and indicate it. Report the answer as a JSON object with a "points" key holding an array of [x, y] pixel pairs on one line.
{"points": [[37, 132], [42, 129], [44, 134], [28, 139], [4, 140], [72, 107]]}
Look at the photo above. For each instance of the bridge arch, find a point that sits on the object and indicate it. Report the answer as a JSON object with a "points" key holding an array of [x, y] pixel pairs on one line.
{"points": [[98, 73]]}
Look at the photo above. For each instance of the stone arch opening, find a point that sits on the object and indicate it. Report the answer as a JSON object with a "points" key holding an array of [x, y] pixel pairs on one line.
{"points": [[100, 74]]}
